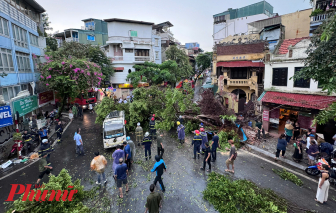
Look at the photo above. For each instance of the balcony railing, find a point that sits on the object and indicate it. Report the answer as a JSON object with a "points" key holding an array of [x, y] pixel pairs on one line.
{"points": [[142, 58], [320, 17], [238, 82], [121, 39], [17, 15], [117, 58], [72, 39]]}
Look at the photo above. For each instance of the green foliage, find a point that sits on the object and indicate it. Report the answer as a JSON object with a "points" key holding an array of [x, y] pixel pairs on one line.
{"points": [[288, 176], [173, 53], [241, 196], [204, 61], [316, 12], [51, 44], [320, 64], [88, 52], [61, 182], [231, 118], [224, 137], [17, 136]]}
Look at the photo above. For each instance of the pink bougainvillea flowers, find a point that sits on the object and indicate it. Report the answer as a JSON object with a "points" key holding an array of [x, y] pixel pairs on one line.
{"points": [[41, 76], [70, 65], [47, 84]]}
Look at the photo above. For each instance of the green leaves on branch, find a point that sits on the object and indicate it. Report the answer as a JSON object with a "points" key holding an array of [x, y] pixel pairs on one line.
{"points": [[288, 176], [182, 60], [224, 137], [241, 196], [204, 61]]}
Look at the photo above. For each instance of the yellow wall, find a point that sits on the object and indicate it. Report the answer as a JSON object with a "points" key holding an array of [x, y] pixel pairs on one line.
{"points": [[296, 24], [232, 102], [230, 38]]}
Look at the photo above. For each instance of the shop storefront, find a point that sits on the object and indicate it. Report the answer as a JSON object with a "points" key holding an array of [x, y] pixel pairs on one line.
{"points": [[45, 98], [281, 107]]}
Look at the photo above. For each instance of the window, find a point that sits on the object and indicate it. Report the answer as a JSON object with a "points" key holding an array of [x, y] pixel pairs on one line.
{"points": [[156, 42], [239, 73], [90, 25], [280, 76], [17, 89], [20, 36], [23, 62], [6, 60], [4, 27], [91, 38], [129, 70], [33, 39], [8, 93], [302, 83], [24, 87], [157, 55], [36, 62], [140, 52], [128, 50]]}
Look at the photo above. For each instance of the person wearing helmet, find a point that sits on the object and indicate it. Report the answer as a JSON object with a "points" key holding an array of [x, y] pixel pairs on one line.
{"points": [[196, 142], [152, 128], [147, 143], [180, 132], [138, 134], [159, 166], [204, 138], [180, 119], [128, 154], [45, 149]]}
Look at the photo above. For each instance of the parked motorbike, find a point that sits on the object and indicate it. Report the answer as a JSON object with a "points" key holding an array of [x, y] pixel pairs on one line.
{"points": [[312, 170], [14, 150]]}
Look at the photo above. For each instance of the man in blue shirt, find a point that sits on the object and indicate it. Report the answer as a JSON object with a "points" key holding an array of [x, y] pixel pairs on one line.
{"points": [[43, 133], [214, 146], [121, 173], [159, 166], [128, 154], [79, 143]]}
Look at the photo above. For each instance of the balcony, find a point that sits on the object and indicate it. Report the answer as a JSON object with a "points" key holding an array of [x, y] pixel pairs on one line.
{"points": [[117, 58], [141, 58], [17, 15], [71, 39], [319, 18], [123, 39]]}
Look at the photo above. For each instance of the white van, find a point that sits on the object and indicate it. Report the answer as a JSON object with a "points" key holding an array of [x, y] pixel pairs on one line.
{"points": [[114, 131]]}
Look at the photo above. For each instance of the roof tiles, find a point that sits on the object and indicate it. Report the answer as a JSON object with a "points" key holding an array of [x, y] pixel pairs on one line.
{"points": [[288, 42]]}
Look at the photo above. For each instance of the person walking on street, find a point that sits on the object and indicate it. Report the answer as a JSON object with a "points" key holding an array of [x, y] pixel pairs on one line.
{"points": [[180, 132], [45, 149], [117, 154], [232, 156], [138, 134], [214, 146], [44, 168], [128, 154], [90, 108], [289, 131], [59, 131], [312, 152], [160, 149], [79, 143], [159, 166], [204, 139], [281, 146], [80, 111], [197, 140], [147, 142], [152, 128], [323, 185], [28, 141], [98, 165], [71, 115], [154, 201], [207, 157], [120, 174], [297, 130], [261, 129], [298, 154], [74, 111]]}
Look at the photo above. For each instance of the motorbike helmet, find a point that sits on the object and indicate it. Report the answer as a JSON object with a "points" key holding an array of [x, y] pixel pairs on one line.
{"points": [[146, 134], [202, 129], [197, 132], [138, 123], [178, 123], [152, 118], [128, 138], [157, 158]]}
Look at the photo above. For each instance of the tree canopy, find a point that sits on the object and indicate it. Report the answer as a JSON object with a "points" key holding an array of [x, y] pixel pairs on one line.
{"points": [[320, 65], [204, 61], [173, 53]]}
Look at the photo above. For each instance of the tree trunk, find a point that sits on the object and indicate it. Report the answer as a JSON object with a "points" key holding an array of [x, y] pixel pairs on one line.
{"points": [[62, 107]]}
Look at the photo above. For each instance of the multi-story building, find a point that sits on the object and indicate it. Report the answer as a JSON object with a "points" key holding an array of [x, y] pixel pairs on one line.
{"points": [[167, 37], [322, 10], [93, 32], [234, 21], [129, 43], [285, 98]]}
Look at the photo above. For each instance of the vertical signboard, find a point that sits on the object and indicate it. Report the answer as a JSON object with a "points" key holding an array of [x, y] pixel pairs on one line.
{"points": [[266, 115]]}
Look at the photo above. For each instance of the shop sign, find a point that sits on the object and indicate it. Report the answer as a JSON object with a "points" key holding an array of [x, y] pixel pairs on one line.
{"points": [[274, 120], [45, 97], [5, 116], [25, 105], [266, 115]]}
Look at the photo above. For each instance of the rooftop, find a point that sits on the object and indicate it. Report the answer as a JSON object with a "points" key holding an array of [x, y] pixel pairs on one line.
{"points": [[35, 5], [128, 21], [163, 24], [289, 42]]}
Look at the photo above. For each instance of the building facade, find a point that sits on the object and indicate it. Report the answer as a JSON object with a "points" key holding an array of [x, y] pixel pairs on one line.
{"points": [[93, 32], [322, 10], [238, 70], [167, 37], [287, 99], [234, 21], [129, 43]]}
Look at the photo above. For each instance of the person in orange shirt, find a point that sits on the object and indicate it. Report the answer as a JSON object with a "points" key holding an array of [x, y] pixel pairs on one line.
{"points": [[98, 165]]}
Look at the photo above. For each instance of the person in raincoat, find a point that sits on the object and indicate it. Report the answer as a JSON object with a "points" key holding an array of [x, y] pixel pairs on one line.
{"points": [[117, 154], [152, 128], [180, 132], [74, 111], [138, 134], [196, 142], [204, 139]]}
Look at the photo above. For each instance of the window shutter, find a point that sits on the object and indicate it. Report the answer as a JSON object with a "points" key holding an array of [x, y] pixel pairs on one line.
{"points": [[275, 77]]}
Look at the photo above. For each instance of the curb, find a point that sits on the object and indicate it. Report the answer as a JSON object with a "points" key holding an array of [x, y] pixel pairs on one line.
{"points": [[34, 161]]}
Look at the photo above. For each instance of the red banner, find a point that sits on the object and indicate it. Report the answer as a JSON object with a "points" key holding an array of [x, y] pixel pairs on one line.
{"points": [[45, 97], [266, 115]]}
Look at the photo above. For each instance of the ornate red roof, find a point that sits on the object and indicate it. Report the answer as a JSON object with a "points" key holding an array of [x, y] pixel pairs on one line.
{"points": [[287, 42]]}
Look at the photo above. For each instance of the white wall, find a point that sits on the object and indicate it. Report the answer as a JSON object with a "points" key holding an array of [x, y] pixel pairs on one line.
{"points": [[123, 29], [156, 49], [120, 77], [234, 26], [290, 83]]}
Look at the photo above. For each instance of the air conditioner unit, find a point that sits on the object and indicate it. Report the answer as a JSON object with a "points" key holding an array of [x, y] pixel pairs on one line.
{"points": [[131, 38]]}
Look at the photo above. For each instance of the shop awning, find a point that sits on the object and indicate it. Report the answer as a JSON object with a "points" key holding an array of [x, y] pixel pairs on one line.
{"points": [[299, 100], [240, 64], [118, 68]]}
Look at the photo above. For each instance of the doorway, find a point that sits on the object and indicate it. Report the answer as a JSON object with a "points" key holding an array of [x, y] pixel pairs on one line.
{"points": [[241, 96], [285, 115]]}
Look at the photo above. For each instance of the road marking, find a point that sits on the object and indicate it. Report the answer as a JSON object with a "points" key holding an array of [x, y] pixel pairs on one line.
{"points": [[292, 171], [34, 160]]}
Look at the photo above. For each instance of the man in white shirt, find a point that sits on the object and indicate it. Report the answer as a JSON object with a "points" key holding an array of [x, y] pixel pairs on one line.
{"points": [[125, 101], [128, 97], [120, 101]]}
